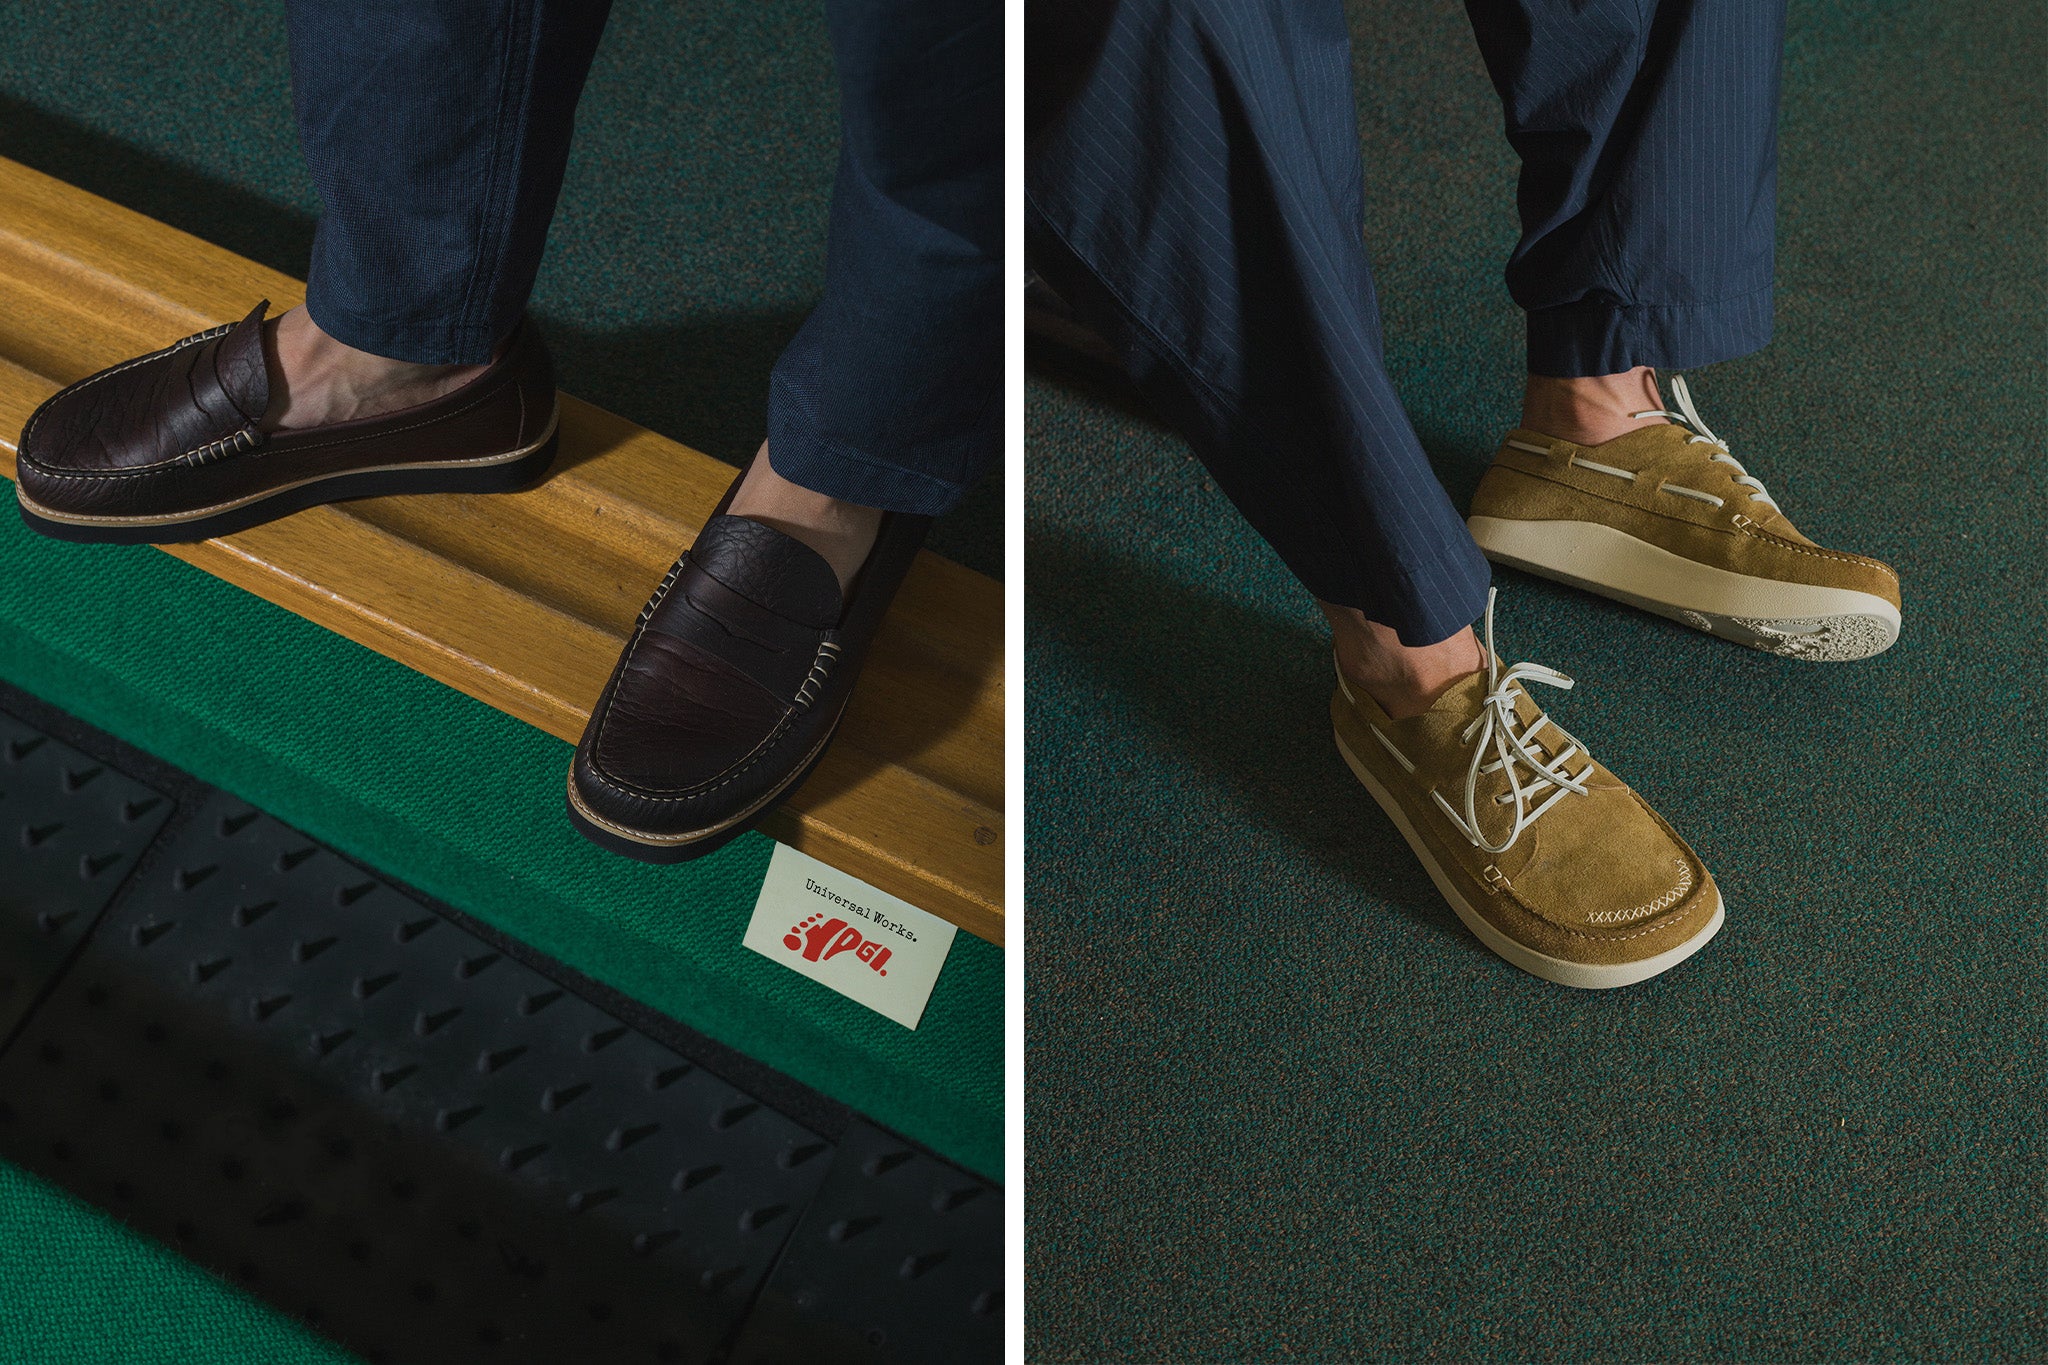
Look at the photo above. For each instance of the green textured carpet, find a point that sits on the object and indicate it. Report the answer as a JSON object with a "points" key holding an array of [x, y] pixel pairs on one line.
{"points": [[688, 246], [1283, 1107], [77, 1288]]}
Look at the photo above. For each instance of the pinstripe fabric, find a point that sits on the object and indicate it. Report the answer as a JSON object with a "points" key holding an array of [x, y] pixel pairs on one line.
{"points": [[1648, 197], [437, 133], [1193, 187]]}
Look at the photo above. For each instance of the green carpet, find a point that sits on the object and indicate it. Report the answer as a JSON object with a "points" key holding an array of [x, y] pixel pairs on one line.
{"points": [[688, 246], [430, 786], [1283, 1107], [77, 1288]]}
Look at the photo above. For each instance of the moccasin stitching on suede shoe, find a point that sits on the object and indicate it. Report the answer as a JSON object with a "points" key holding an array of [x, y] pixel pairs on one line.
{"points": [[167, 447], [730, 688], [1546, 856], [1666, 519]]}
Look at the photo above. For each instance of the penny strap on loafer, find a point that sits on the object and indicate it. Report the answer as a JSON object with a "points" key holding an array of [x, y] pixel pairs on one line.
{"points": [[203, 400], [759, 600], [777, 571]]}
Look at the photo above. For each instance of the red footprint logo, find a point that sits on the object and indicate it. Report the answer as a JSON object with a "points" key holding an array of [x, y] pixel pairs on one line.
{"points": [[794, 942], [819, 941]]}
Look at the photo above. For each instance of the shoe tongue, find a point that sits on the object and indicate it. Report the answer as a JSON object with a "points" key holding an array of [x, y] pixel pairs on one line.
{"points": [[770, 569], [1460, 704], [1439, 730], [1461, 701]]}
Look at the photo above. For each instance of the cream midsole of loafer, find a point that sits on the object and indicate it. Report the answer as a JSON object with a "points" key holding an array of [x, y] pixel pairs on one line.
{"points": [[1585, 975], [1802, 620]]}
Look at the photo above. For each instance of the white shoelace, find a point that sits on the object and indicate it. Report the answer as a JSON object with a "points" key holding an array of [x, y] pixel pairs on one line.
{"points": [[1690, 416], [1496, 723]]}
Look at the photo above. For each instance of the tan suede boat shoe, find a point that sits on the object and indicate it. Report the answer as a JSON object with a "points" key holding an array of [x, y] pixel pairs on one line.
{"points": [[1666, 519], [1549, 858]]}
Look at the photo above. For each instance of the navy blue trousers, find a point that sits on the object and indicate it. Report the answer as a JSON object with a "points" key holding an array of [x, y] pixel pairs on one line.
{"points": [[1194, 188], [437, 132]]}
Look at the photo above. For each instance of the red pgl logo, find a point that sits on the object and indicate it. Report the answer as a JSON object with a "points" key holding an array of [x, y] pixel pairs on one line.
{"points": [[820, 939]]}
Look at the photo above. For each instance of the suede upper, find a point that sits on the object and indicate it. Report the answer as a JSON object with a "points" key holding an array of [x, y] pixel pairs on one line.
{"points": [[1597, 878], [1743, 534]]}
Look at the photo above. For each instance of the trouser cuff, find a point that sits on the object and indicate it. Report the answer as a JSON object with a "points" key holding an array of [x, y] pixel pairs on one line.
{"points": [[799, 452], [1599, 335], [421, 343]]}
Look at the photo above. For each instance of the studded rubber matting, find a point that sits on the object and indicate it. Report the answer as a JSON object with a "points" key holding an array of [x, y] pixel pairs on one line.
{"points": [[860, 1281], [421, 1139], [71, 831]]}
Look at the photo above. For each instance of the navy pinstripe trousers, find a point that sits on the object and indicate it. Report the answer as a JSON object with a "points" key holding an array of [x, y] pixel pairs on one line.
{"points": [[437, 133], [1194, 189]]}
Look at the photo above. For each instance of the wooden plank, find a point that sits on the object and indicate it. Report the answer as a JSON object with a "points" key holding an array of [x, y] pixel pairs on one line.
{"points": [[524, 600]]}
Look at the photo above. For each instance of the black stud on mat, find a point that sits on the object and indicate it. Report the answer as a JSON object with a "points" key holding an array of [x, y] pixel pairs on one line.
{"points": [[358, 1108]]}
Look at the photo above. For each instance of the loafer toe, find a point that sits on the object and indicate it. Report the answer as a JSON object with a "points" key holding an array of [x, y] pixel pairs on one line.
{"points": [[688, 743]]}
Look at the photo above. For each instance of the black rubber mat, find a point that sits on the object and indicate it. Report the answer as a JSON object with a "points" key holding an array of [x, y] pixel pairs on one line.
{"points": [[429, 1144], [898, 1257], [71, 830]]}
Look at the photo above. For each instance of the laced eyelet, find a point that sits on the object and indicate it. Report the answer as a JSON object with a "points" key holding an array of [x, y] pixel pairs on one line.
{"points": [[1495, 724], [1689, 416]]}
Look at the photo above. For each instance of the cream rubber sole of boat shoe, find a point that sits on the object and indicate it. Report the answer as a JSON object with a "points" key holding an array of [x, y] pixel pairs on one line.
{"points": [[1550, 860], [1665, 519]]}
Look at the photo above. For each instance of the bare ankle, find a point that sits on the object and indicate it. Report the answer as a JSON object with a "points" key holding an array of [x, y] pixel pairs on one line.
{"points": [[317, 380], [841, 532], [1405, 680], [1592, 410]]}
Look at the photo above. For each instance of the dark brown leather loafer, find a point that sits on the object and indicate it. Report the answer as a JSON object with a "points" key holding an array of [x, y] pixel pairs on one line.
{"points": [[730, 687], [166, 447]]}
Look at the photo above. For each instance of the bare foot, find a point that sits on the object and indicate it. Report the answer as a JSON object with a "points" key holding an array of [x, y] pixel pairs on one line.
{"points": [[842, 532], [316, 380], [1404, 680], [1591, 411]]}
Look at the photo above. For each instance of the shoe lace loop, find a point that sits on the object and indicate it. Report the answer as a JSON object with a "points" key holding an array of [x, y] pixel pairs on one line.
{"points": [[1689, 416], [1495, 725]]}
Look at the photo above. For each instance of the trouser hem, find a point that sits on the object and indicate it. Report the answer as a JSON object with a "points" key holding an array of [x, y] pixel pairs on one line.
{"points": [[803, 455], [416, 342], [1599, 335]]}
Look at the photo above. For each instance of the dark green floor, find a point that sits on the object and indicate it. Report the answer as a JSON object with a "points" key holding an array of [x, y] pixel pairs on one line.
{"points": [[686, 251], [1283, 1107]]}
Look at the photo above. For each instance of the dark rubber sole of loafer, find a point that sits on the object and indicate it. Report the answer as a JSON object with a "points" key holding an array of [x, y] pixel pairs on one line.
{"points": [[649, 846], [505, 473]]}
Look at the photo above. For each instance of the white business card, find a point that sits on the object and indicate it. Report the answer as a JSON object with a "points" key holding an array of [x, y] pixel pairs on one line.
{"points": [[837, 930]]}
